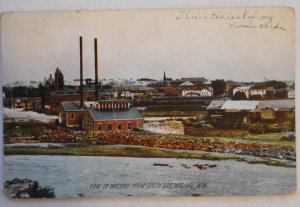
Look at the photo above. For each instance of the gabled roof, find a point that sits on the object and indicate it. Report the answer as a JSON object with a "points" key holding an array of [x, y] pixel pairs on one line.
{"points": [[277, 104], [240, 105], [131, 114], [207, 89], [72, 106], [216, 104], [230, 105]]}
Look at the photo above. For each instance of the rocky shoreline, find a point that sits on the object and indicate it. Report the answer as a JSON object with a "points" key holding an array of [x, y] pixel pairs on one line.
{"points": [[26, 188]]}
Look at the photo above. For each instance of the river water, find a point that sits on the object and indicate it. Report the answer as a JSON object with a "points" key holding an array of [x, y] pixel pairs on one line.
{"points": [[73, 176]]}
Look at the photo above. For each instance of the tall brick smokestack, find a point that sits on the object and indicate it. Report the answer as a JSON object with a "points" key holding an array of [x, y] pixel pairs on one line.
{"points": [[96, 68], [81, 74]]}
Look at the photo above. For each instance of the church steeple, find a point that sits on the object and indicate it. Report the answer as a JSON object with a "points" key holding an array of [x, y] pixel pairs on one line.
{"points": [[57, 71]]}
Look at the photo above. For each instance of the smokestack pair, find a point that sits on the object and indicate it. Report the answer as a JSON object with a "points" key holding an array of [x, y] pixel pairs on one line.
{"points": [[81, 71]]}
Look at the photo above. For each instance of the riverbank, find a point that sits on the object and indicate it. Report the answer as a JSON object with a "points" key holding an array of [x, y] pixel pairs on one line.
{"points": [[138, 151], [263, 147]]}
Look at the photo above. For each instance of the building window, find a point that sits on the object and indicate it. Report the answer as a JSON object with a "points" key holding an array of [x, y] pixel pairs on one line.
{"points": [[119, 126], [129, 126], [99, 127], [109, 127], [72, 116]]}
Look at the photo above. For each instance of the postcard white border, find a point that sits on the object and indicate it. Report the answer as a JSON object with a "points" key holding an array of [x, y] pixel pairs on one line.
{"points": [[226, 201]]}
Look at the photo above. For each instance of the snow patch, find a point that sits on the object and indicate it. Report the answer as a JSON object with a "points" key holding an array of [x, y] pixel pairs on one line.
{"points": [[164, 127], [17, 114]]}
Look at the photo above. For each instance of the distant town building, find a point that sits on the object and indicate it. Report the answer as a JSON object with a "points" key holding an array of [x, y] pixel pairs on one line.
{"points": [[188, 88], [202, 92], [258, 90], [136, 91], [127, 94], [165, 79], [277, 111], [264, 111], [27, 103], [56, 83], [59, 79], [291, 93], [243, 89], [48, 82]]}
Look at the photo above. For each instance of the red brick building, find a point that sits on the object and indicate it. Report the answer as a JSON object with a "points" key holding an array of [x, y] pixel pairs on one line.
{"points": [[70, 114], [101, 116], [57, 99], [115, 121], [67, 96]]}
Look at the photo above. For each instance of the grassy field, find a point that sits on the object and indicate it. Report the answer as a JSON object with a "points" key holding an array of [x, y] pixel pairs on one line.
{"points": [[134, 151]]}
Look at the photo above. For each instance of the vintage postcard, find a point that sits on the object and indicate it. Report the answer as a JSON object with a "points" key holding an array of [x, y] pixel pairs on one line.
{"points": [[170, 102]]}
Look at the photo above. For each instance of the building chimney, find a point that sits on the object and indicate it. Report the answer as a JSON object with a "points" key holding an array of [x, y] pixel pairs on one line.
{"points": [[81, 74], [96, 69]]}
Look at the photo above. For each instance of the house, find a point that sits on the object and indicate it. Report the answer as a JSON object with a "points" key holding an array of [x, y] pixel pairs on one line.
{"points": [[100, 116], [266, 111], [214, 109], [243, 89], [258, 90], [204, 92], [239, 110], [276, 111], [70, 114], [229, 110], [291, 93]]}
